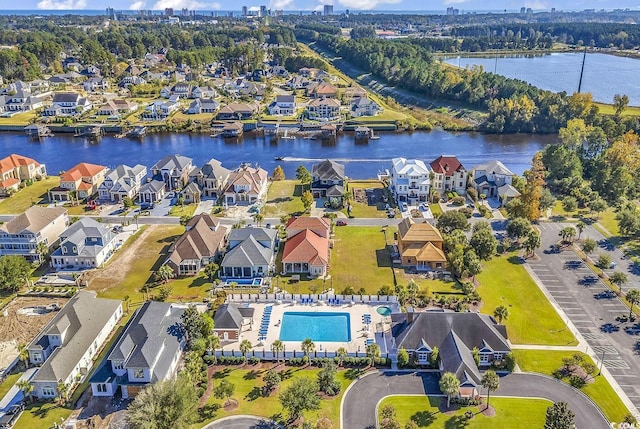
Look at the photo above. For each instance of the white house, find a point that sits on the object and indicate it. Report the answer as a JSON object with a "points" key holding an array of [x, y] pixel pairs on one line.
{"points": [[493, 180], [67, 104], [410, 180], [245, 185], [122, 181], [160, 110], [449, 175], [284, 105], [85, 244], [65, 348]]}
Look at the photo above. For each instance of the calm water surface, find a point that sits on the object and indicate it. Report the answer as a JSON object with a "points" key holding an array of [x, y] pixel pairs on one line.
{"points": [[361, 160], [604, 75]]}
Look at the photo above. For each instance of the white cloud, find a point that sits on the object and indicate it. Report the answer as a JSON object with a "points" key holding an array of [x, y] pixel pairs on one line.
{"points": [[62, 4], [137, 5], [281, 4], [189, 4], [365, 4]]}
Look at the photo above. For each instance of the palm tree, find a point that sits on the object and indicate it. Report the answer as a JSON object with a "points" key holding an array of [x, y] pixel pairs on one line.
{"points": [[580, 226], [277, 347], [26, 388], [501, 313], [126, 300], [23, 354], [135, 217], [307, 346], [373, 352], [42, 250], [165, 273], [490, 381], [213, 343], [633, 297], [245, 347], [63, 390], [210, 270], [618, 278], [258, 218], [532, 242], [449, 385], [341, 353], [567, 233]]}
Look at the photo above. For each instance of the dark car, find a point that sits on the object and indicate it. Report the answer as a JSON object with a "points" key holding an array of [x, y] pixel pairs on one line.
{"points": [[11, 416], [146, 206], [341, 223]]}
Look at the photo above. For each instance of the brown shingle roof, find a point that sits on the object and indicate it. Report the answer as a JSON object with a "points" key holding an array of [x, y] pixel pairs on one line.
{"points": [[410, 231], [33, 219], [198, 242]]}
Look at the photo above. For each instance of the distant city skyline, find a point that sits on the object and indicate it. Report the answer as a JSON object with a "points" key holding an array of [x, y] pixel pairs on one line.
{"points": [[338, 5]]}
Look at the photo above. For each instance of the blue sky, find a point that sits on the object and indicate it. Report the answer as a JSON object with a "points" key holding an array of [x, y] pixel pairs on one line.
{"points": [[317, 4]]}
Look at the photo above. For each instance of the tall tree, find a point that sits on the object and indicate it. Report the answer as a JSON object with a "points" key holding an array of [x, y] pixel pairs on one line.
{"points": [[300, 396], [532, 242], [14, 270], [491, 382], [620, 102], [23, 354], [373, 352], [211, 270], [26, 388], [452, 220], [501, 313], [164, 273], [224, 389], [484, 243], [303, 175], [277, 347], [532, 192], [328, 379], [449, 385], [559, 416], [633, 297], [245, 347], [278, 173], [307, 346], [307, 200], [197, 325]]}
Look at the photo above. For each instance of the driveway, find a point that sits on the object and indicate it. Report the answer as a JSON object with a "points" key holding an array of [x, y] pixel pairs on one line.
{"points": [[581, 295], [243, 422], [360, 401]]}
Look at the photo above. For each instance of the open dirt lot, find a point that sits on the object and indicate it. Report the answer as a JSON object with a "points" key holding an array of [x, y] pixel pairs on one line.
{"points": [[18, 328]]}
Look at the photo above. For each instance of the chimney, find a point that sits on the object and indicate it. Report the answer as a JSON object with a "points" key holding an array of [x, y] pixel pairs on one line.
{"points": [[411, 315]]}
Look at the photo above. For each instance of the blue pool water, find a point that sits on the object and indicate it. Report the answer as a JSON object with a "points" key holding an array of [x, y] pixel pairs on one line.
{"points": [[330, 327], [245, 282], [384, 311]]}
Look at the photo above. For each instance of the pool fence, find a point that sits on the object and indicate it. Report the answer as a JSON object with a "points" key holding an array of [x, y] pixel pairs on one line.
{"points": [[317, 298]]}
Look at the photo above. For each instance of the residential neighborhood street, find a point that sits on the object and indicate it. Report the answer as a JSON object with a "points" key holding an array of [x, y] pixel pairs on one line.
{"points": [[360, 401], [582, 296]]}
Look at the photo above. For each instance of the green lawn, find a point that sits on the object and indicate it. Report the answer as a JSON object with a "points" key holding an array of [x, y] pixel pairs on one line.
{"points": [[23, 118], [531, 320], [360, 259], [26, 197], [600, 391], [283, 197], [607, 109], [364, 210], [436, 210], [510, 413], [8, 383], [42, 415], [609, 222], [248, 382], [186, 210]]}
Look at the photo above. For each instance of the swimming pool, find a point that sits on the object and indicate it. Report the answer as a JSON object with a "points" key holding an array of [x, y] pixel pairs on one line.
{"points": [[384, 311], [329, 327], [245, 282]]}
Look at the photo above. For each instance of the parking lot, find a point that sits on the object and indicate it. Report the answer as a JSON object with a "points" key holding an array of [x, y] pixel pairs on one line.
{"points": [[592, 308]]}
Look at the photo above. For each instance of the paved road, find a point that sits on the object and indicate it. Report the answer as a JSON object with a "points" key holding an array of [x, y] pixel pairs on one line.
{"points": [[242, 422], [576, 290], [359, 403]]}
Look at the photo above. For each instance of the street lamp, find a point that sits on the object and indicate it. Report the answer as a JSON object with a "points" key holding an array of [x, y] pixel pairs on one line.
{"points": [[601, 362]]}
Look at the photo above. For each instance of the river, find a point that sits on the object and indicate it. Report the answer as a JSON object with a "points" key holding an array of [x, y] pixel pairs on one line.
{"points": [[361, 160], [604, 75]]}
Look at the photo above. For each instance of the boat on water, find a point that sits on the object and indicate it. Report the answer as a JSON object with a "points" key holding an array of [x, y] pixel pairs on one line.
{"points": [[278, 158]]}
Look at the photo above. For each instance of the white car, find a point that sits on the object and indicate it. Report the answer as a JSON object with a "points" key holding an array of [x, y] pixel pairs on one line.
{"points": [[404, 207]]}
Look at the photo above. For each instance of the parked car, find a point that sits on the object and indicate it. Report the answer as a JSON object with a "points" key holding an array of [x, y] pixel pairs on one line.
{"points": [[11, 416], [391, 213], [341, 222], [404, 207], [146, 206]]}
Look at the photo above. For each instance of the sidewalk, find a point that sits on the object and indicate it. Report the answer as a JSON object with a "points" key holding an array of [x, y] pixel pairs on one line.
{"points": [[14, 395]]}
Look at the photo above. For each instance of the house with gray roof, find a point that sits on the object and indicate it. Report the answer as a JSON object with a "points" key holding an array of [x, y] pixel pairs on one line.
{"points": [[229, 320], [489, 177], [327, 181], [152, 191], [65, 348], [67, 104], [251, 253], [212, 177], [122, 181], [148, 350], [24, 234], [173, 170], [455, 335], [85, 244]]}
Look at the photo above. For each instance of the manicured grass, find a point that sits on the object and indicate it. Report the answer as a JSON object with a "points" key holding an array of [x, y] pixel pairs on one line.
{"points": [[29, 195], [125, 275], [360, 259], [510, 413], [364, 210], [8, 383], [188, 289], [19, 119], [42, 415], [607, 109], [609, 222], [532, 319], [283, 197], [600, 391], [202, 117], [248, 385], [436, 210], [186, 210], [558, 210]]}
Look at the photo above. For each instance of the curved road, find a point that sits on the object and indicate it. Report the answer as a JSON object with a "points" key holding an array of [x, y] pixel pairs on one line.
{"points": [[242, 422], [359, 403]]}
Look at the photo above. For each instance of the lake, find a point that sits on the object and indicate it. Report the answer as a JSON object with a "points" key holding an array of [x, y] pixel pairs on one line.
{"points": [[361, 160], [604, 75]]}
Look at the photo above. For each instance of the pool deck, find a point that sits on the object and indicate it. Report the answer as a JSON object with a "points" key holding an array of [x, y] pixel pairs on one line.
{"points": [[359, 332]]}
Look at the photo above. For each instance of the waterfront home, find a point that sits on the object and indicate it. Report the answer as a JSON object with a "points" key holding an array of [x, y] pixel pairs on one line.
{"points": [[212, 177], [173, 170], [191, 193], [324, 109], [123, 181], [94, 84], [251, 253], [203, 105], [327, 181], [420, 245], [324, 90], [85, 244], [33, 232], [83, 179], [306, 252], [494, 180], [230, 129], [246, 185], [363, 106], [20, 101], [410, 180], [65, 348], [353, 92], [67, 104], [230, 320], [284, 105], [152, 192], [201, 244], [148, 351], [455, 335], [237, 111], [161, 110], [15, 169], [116, 107], [449, 175]]}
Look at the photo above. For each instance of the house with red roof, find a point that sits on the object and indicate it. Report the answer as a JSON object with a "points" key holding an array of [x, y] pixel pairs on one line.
{"points": [[84, 179], [16, 168], [306, 250], [449, 175]]}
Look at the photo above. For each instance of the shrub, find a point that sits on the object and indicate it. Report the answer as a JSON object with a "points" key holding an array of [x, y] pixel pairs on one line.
{"points": [[468, 212], [457, 201], [472, 193], [483, 210], [254, 360], [510, 361], [577, 382]]}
